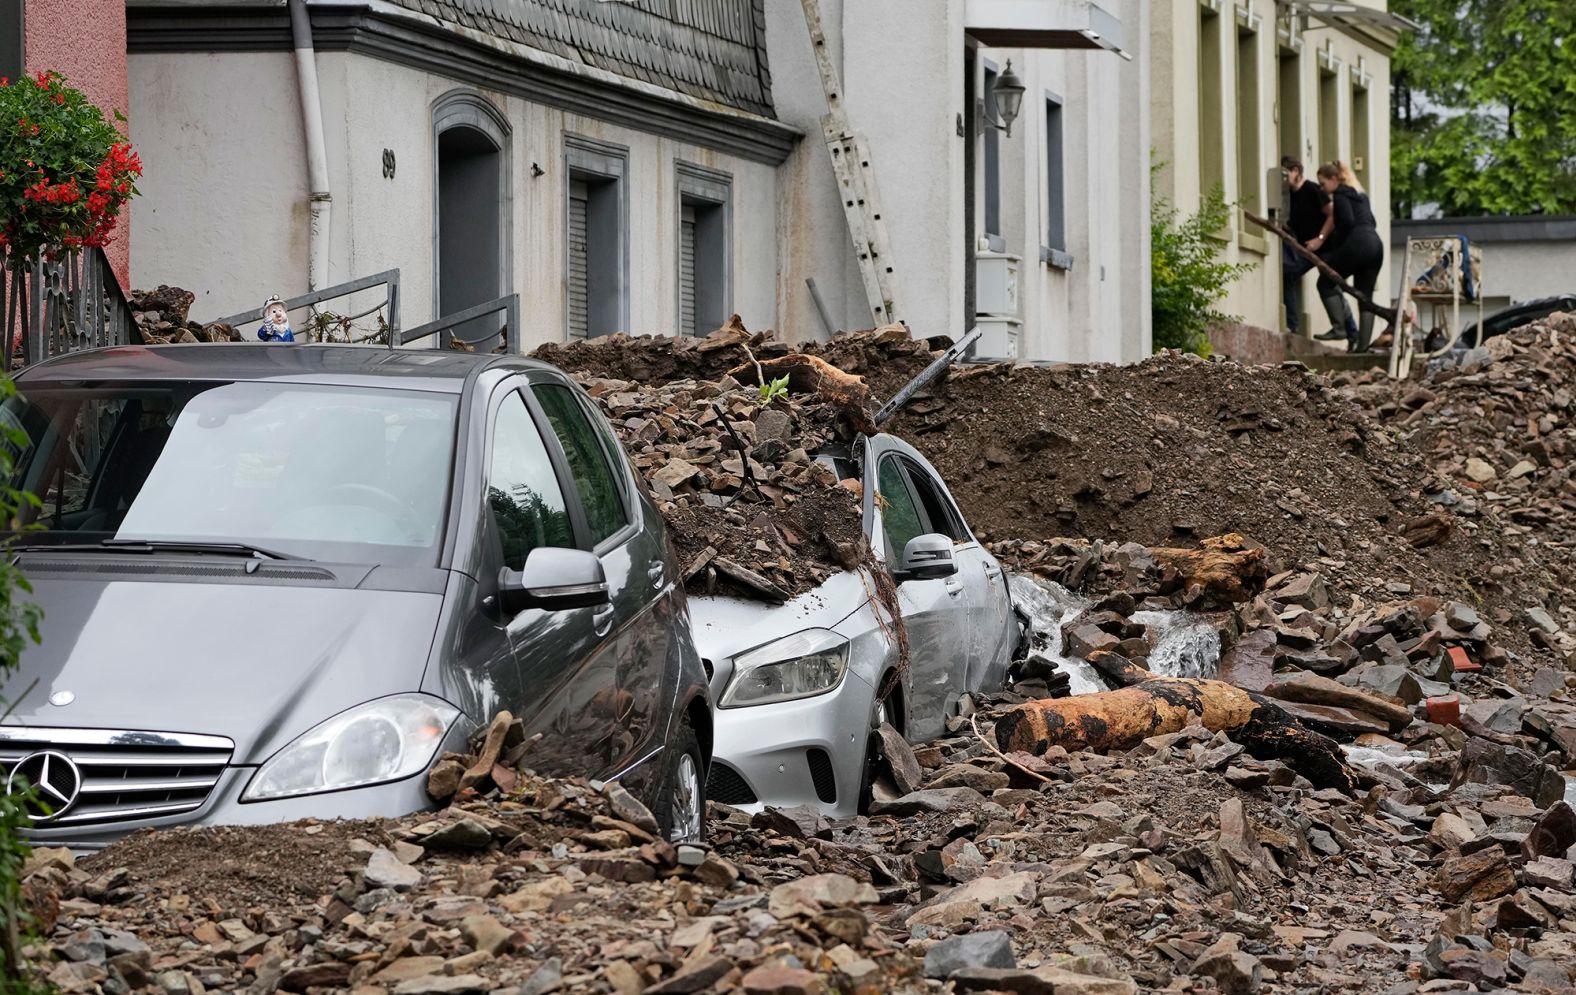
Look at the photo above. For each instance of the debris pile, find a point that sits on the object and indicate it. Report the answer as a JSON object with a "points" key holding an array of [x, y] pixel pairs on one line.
{"points": [[733, 469], [1183, 864], [161, 318], [1499, 443]]}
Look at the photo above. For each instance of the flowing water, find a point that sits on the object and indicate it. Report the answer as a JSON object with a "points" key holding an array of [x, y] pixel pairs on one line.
{"points": [[1183, 644]]}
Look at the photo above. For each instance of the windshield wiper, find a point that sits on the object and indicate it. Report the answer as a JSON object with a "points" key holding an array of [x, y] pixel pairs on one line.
{"points": [[160, 546]]}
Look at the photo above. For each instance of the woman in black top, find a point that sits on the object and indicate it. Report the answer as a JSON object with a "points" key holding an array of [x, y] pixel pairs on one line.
{"points": [[1352, 247]]}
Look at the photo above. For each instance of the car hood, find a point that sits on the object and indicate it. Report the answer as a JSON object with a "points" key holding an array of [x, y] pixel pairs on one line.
{"points": [[258, 663], [726, 627]]}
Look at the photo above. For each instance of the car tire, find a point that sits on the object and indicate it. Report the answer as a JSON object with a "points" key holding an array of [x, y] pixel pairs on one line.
{"points": [[682, 801]]}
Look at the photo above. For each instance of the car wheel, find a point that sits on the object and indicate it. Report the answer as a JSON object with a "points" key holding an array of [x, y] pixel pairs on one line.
{"points": [[882, 714], [683, 798]]}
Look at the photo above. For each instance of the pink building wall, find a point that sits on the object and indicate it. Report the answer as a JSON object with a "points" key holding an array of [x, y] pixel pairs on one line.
{"points": [[85, 41]]}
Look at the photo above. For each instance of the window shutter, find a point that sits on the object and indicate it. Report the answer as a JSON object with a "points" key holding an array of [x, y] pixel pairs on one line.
{"points": [[579, 305], [687, 272]]}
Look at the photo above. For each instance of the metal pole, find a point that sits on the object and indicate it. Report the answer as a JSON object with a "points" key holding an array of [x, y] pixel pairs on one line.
{"points": [[927, 375], [820, 307]]}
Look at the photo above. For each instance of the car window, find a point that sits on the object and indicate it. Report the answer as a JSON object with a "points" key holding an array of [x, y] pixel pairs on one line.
{"points": [[899, 517], [354, 475], [528, 506], [939, 509], [599, 488]]}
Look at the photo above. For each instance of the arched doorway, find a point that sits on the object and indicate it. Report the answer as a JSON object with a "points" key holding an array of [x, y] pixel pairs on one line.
{"points": [[471, 210]]}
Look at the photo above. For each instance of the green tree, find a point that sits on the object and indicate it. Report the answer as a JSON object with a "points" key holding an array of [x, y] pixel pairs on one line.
{"points": [[1188, 276], [1483, 107]]}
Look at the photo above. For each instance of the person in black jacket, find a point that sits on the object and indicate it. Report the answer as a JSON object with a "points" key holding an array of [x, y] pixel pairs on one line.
{"points": [[1353, 249], [1307, 217]]}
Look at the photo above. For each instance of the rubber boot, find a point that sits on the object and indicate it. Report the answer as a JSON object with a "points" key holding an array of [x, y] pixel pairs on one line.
{"points": [[1335, 307], [1365, 332]]}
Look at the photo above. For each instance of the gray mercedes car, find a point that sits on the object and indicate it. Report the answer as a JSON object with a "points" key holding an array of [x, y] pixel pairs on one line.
{"points": [[279, 581]]}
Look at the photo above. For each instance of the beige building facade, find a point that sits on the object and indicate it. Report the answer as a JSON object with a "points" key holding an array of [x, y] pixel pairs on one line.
{"points": [[1236, 86]]}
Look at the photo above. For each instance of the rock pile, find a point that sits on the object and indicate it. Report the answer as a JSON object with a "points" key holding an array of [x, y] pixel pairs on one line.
{"points": [[750, 509], [1499, 439], [161, 318], [1183, 865]]}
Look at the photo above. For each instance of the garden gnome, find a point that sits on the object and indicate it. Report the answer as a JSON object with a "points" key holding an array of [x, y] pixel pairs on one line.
{"points": [[276, 322]]}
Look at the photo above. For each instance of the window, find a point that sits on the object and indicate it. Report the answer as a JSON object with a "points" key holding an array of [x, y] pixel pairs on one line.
{"points": [[705, 208], [899, 517], [1289, 105], [1211, 100], [992, 163], [1360, 128], [600, 489], [1055, 203], [596, 237], [941, 516], [1251, 164], [1329, 118], [527, 503], [351, 475]]}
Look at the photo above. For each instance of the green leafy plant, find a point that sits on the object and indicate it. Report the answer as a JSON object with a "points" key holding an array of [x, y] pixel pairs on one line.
{"points": [[19, 619], [1188, 276], [65, 171], [773, 390]]}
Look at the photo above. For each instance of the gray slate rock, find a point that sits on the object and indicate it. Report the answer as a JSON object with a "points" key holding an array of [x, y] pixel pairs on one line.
{"points": [[991, 948]]}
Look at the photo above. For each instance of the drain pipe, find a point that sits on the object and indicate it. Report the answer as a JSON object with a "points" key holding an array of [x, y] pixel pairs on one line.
{"points": [[319, 202]]}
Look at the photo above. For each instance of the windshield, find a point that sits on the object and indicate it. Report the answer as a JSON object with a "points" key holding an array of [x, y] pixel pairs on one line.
{"points": [[351, 475]]}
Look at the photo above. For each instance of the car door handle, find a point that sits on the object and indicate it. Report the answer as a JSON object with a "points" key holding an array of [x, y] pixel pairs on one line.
{"points": [[955, 588], [602, 620], [655, 572], [992, 572]]}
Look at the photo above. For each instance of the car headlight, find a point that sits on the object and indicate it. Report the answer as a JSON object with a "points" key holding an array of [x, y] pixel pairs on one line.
{"points": [[802, 665], [382, 740]]}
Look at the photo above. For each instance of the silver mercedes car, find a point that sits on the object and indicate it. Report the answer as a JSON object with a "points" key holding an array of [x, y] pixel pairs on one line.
{"points": [[800, 689]]}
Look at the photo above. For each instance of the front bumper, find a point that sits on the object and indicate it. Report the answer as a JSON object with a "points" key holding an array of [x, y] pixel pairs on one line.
{"points": [[224, 807], [805, 752]]}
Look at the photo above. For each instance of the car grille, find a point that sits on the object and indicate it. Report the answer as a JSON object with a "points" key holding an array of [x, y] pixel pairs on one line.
{"points": [[124, 775], [724, 784], [822, 774]]}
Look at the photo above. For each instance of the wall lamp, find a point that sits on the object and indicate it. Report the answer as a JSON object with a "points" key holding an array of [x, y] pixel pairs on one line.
{"points": [[1007, 94]]}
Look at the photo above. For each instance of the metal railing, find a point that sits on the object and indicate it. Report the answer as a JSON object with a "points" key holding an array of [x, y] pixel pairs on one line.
{"points": [[467, 329], [388, 278], [72, 303]]}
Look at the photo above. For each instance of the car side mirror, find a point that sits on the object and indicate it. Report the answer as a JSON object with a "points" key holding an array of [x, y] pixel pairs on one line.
{"points": [[553, 580], [927, 557]]}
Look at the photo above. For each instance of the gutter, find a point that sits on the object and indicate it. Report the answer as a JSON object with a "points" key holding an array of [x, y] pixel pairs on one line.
{"points": [[319, 200]]}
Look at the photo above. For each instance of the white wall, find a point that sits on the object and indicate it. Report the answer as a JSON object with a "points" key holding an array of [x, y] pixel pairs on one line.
{"points": [[223, 205], [905, 93], [225, 191]]}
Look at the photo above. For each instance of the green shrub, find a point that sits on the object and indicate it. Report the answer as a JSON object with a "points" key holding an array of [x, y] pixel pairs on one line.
{"points": [[1189, 278], [19, 620]]}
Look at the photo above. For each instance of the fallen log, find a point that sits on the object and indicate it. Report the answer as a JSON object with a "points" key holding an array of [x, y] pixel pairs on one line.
{"points": [[1224, 570], [814, 375], [1147, 705]]}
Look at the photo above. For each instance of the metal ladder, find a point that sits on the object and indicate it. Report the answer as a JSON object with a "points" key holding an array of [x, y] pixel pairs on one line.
{"points": [[856, 182]]}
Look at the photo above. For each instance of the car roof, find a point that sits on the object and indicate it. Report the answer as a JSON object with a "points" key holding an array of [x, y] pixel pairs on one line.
{"points": [[342, 365]]}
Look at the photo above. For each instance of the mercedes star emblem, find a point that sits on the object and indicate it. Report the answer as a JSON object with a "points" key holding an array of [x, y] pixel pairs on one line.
{"points": [[55, 778]]}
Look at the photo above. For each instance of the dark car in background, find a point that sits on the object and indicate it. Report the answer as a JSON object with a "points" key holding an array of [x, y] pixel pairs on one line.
{"points": [[1513, 318], [280, 581]]}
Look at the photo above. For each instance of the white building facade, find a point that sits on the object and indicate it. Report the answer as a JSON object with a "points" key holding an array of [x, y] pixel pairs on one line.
{"points": [[647, 167]]}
